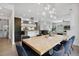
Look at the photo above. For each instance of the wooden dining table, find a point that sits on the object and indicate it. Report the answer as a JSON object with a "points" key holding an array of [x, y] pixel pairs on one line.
{"points": [[42, 44]]}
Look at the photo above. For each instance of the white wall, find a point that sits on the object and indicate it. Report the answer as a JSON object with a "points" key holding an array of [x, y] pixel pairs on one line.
{"points": [[11, 26], [75, 23], [11, 20]]}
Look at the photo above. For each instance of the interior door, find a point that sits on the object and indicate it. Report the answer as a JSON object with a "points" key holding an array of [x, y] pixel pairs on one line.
{"points": [[17, 29]]}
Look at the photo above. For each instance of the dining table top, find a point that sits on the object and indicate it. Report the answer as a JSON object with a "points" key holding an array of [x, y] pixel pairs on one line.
{"points": [[42, 44]]}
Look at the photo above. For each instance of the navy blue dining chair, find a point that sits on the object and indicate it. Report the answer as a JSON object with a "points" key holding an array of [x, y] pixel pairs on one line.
{"points": [[68, 45], [72, 39], [63, 48], [58, 53], [58, 50], [20, 50]]}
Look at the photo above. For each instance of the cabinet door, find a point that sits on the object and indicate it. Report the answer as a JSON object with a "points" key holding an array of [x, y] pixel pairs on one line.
{"points": [[17, 29]]}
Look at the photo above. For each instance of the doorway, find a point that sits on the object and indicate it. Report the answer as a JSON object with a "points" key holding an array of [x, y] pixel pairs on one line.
{"points": [[5, 16], [4, 28]]}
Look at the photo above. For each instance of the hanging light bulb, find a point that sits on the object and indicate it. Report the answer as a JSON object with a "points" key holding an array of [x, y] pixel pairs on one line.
{"points": [[46, 8], [51, 16], [50, 12], [43, 13]]}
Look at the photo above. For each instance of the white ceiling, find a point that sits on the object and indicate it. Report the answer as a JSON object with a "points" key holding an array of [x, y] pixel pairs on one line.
{"points": [[42, 11], [33, 9], [5, 12]]}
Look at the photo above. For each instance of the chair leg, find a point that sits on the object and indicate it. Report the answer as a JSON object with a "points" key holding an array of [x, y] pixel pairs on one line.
{"points": [[70, 51], [68, 54], [72, 48]]}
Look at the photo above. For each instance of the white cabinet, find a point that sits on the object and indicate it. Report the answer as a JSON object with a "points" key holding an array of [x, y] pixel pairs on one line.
{"points": [[30, 28], [32, 33]]}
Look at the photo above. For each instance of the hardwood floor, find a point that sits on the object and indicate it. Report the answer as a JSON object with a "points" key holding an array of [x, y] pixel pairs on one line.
{"points": [[6, 49], [75, 51]]}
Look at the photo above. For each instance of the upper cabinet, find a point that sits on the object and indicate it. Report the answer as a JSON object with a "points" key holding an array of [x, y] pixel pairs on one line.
{"points": [[29, 25]]}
